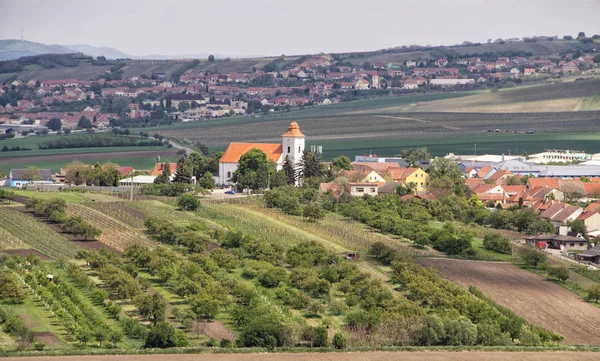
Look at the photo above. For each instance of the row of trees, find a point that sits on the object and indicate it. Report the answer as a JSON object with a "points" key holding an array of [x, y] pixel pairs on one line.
{"points": [[55, 210]]}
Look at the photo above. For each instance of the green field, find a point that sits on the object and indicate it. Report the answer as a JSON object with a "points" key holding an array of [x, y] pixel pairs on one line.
{"points": [[486, 144], [146, 163]]}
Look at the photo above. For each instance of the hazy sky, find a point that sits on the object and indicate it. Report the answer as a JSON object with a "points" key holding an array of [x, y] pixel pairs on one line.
{"points": [[273, 27]]}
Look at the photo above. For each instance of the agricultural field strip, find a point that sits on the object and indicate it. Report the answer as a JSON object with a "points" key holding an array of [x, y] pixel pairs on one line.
{"points": [[537, 300], [39, 236], [118, 210], [9, 241], [161, 211], [114, 233]]}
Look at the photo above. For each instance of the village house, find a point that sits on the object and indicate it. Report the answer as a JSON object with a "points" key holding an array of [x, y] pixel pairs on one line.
{"points": [[414, 178], [21, 177]]}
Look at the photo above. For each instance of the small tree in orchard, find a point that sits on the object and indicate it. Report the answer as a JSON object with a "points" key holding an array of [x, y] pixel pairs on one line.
{"points": [[561, 273], [594, 293]]}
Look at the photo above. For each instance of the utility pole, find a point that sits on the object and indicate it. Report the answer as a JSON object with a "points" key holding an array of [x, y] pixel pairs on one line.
{"points": [[131, 189]]}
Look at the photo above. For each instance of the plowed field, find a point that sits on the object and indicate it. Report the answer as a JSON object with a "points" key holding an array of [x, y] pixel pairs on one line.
{"points": [[532, 297], [340, 356]]}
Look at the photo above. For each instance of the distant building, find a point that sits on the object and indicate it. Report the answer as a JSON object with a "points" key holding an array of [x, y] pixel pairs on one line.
{"points": [[22, 177]]}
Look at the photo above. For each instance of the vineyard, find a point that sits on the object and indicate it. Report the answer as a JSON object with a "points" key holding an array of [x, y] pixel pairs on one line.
{"points": [[114, 233], [39, 236], [9, 241], [162, 211], [120, 211]]}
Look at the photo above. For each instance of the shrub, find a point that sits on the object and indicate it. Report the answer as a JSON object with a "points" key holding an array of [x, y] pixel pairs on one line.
{"points": [[225, 343], [339, 341], [495, 241], [561, 273], [188, 202], [533, 258]]}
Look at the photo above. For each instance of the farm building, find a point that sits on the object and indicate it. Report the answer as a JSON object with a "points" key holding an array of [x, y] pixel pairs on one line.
{"points": [[22, 177], [565, 243], [591, 255]]}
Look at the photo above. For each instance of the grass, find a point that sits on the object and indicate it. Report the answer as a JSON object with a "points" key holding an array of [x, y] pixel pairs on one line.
{"points": [[485, 254], [70, 197], [146, 163]]}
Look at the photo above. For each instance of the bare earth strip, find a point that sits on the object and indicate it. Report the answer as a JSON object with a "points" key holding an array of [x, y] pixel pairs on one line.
{"points": [[341, 356], [532, 297]]}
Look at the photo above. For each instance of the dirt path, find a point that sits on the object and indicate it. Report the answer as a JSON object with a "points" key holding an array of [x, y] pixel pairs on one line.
{"points": [[419, 121], [341, 356], [532, 297]]}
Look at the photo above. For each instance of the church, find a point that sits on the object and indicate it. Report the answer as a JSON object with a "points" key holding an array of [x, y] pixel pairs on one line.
{"points": [[292, 146]]}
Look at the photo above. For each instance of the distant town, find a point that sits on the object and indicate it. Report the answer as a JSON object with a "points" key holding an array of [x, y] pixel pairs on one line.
{"points": [[158, 98]]}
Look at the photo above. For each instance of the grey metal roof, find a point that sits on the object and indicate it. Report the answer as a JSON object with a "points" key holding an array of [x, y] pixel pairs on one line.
{"points": [[570, 171], [592, 252], [45, 174], [515, 166]]}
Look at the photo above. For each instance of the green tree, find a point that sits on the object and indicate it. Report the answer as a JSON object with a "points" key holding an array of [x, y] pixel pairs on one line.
{"points": [[204, 306], [342, 162], [211, 58], [578, 227], [207, 181], [310, 165], [290, 171], [561, 273], [183, 172], [188, 202], [84, 123], [532, 257], [339, 341], [414, 155], [314, 212], [10, 288], [54, 124], [443, 167], [162, 335], [594, 293], [165, 176], [497, 242], [254, 170], [153, 306]]}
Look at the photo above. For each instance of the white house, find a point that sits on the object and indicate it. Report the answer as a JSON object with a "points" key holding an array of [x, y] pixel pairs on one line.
{"points": [[292, 146]]}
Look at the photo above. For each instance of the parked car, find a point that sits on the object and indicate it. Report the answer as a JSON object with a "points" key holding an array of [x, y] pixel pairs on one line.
{"points": [[230, 192]]}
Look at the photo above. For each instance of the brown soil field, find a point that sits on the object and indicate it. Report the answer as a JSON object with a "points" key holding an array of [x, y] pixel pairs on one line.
{"points": [[216, 329], [25, 253], [340, 356], [47, 338], [88, 156], [532, 297]]}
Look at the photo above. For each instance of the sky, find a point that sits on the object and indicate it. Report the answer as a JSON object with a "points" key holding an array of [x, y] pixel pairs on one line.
{"points": [[274, 27]]}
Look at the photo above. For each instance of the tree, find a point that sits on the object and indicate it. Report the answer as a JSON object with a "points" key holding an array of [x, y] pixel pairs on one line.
{"points": [[31, 173], [290, 171], [204, 306], [310, 165], [497, 242], [10, 288], [211, 58], [444, 167], [183, 172], [153, 307], [413, 155], [342, 162], [165, 176], [314, 212], [532, 257], [54, 124], [254, 170], [164, 335], [84, 123], [578, 227], [596, 59], [188, 202], [561, 273], [594, 293], [339, 341], [25, 338], [207, 181]]}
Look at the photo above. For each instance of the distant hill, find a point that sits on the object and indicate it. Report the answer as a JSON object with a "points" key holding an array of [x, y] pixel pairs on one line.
{"points": [[95, 51], [14, 49]]}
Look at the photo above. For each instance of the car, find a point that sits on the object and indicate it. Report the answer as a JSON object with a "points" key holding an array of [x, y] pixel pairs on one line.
{"points": [[230, 192]]}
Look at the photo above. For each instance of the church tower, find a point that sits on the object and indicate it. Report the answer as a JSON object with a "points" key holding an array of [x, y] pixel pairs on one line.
{"points": [[292, 143]]}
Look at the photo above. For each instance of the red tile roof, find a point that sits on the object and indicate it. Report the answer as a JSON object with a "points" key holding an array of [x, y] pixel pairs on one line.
{"points": [[542, 182], [158, 169], [293, 131], [235, 151]]}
